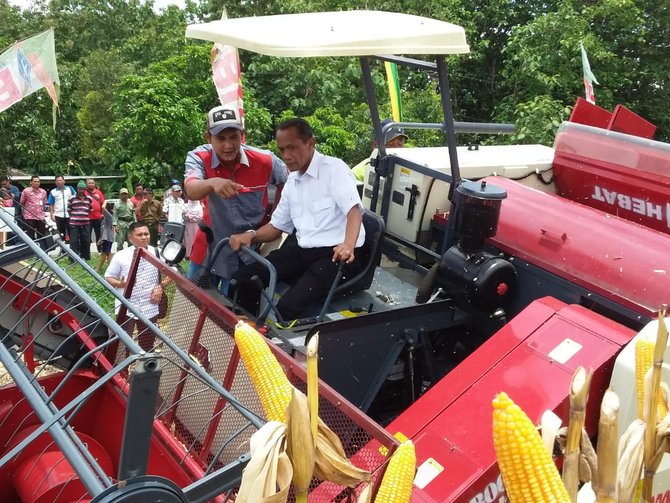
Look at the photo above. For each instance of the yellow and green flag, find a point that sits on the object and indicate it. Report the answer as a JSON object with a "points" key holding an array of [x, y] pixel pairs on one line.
{"points": [[394, 90]]}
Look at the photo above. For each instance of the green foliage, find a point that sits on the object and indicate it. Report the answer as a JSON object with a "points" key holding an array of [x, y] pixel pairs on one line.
{"points": [[157, 126], [538, 120]]}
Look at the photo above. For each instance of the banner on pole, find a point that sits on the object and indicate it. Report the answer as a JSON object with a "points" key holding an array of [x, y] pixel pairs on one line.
{"points": [[28, 66], [227, 75]]}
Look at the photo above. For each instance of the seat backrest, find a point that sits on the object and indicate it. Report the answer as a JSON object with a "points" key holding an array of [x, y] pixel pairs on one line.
{"points": [[369, 256]]}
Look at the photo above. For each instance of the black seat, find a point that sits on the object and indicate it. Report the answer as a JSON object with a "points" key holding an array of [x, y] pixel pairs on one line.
{"points": [[369, 255]]}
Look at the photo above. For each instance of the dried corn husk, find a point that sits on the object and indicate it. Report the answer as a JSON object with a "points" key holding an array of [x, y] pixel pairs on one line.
{"points": [[366, 494], [651, 448], [267, 476], [579, 390], [300, 446], [313, 383], [631, 455], [608, 440], [331, 461], [549, 424]]}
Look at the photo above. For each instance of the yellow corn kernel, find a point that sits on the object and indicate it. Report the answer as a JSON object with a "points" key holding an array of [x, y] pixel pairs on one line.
{"points": [[528, 472], [644, 359], [396, 486], [268, 377]]}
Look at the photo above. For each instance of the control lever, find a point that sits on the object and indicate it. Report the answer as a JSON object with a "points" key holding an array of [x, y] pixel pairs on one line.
{"points": [[259, 283], [232, 286]]}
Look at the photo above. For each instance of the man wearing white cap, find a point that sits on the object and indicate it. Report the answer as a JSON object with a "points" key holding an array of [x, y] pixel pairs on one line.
{"points": [[173, 206], [233, 180]]}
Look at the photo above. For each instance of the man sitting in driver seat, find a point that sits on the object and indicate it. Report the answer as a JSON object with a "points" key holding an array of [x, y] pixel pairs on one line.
{"points": [[321, 203]]}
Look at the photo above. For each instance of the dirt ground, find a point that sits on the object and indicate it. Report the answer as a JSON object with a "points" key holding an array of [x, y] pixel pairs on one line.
{"points": [[5, 378]]}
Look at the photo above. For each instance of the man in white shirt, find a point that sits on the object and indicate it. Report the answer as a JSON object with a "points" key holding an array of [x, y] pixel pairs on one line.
{"points": [[173, 206], [148, 288], [58, 199], [320, 202]]}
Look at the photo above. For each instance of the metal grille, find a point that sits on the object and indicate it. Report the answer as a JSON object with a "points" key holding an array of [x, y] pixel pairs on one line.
{"points": [[58, 319]]}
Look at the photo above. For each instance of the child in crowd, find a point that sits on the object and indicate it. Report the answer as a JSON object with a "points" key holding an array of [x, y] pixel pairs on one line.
{"points": [[106, 237]]}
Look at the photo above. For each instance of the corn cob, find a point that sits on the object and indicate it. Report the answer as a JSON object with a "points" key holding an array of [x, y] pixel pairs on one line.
{"points": [[396, 486], [270, 381], [644, 356], [526, 466]]}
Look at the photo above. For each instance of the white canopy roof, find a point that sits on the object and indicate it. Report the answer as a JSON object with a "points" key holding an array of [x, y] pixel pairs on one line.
{"points": [[345, 33]]}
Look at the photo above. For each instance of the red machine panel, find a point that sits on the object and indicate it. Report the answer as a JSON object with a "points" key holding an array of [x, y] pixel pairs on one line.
{"points": [[621, 174], [625, 121], [590, 114], [613, 257], [532, 359]]}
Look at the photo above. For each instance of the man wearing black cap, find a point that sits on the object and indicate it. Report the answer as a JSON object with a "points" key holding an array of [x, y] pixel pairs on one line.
{"points": [[394, 137], [232, 179]]}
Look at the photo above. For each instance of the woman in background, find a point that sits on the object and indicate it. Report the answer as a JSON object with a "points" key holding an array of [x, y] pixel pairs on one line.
{"points": [[193, 212]]}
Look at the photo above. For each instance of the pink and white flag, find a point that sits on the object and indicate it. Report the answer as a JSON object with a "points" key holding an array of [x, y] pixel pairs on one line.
{"points": [[227, 75]]}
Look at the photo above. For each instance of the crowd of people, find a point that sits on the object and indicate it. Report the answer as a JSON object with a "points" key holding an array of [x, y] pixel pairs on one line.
{"points": [[85, 219], [226, 185]]}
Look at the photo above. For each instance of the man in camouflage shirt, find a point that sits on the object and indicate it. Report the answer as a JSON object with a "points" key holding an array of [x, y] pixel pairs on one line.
{"points": [[124, 215]]}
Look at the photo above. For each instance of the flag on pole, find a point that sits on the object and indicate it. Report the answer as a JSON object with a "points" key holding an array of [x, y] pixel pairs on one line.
{"points": [[394, 90], [28, 66], [227, 75], [589, 78]]}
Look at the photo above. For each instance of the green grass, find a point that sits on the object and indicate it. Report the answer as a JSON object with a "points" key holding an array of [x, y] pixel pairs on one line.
{"points": [[90, 285]]}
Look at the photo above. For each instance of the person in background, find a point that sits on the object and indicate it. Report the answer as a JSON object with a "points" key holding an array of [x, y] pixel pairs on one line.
{"points": [[58, 199], [232, 180], [137, 198], [193, 211], [98, 200], [6, 198], [168, 192], [107, 236], [123, 215], [173, 206], [10, 199], [147, 289], [320, 202], [150, 212], [79, 208], [9, 192], [6, 201], [394, 137], [33, 200]]}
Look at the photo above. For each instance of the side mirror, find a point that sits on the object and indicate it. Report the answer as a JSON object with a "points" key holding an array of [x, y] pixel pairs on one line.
{"points": [[173, 252]]}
